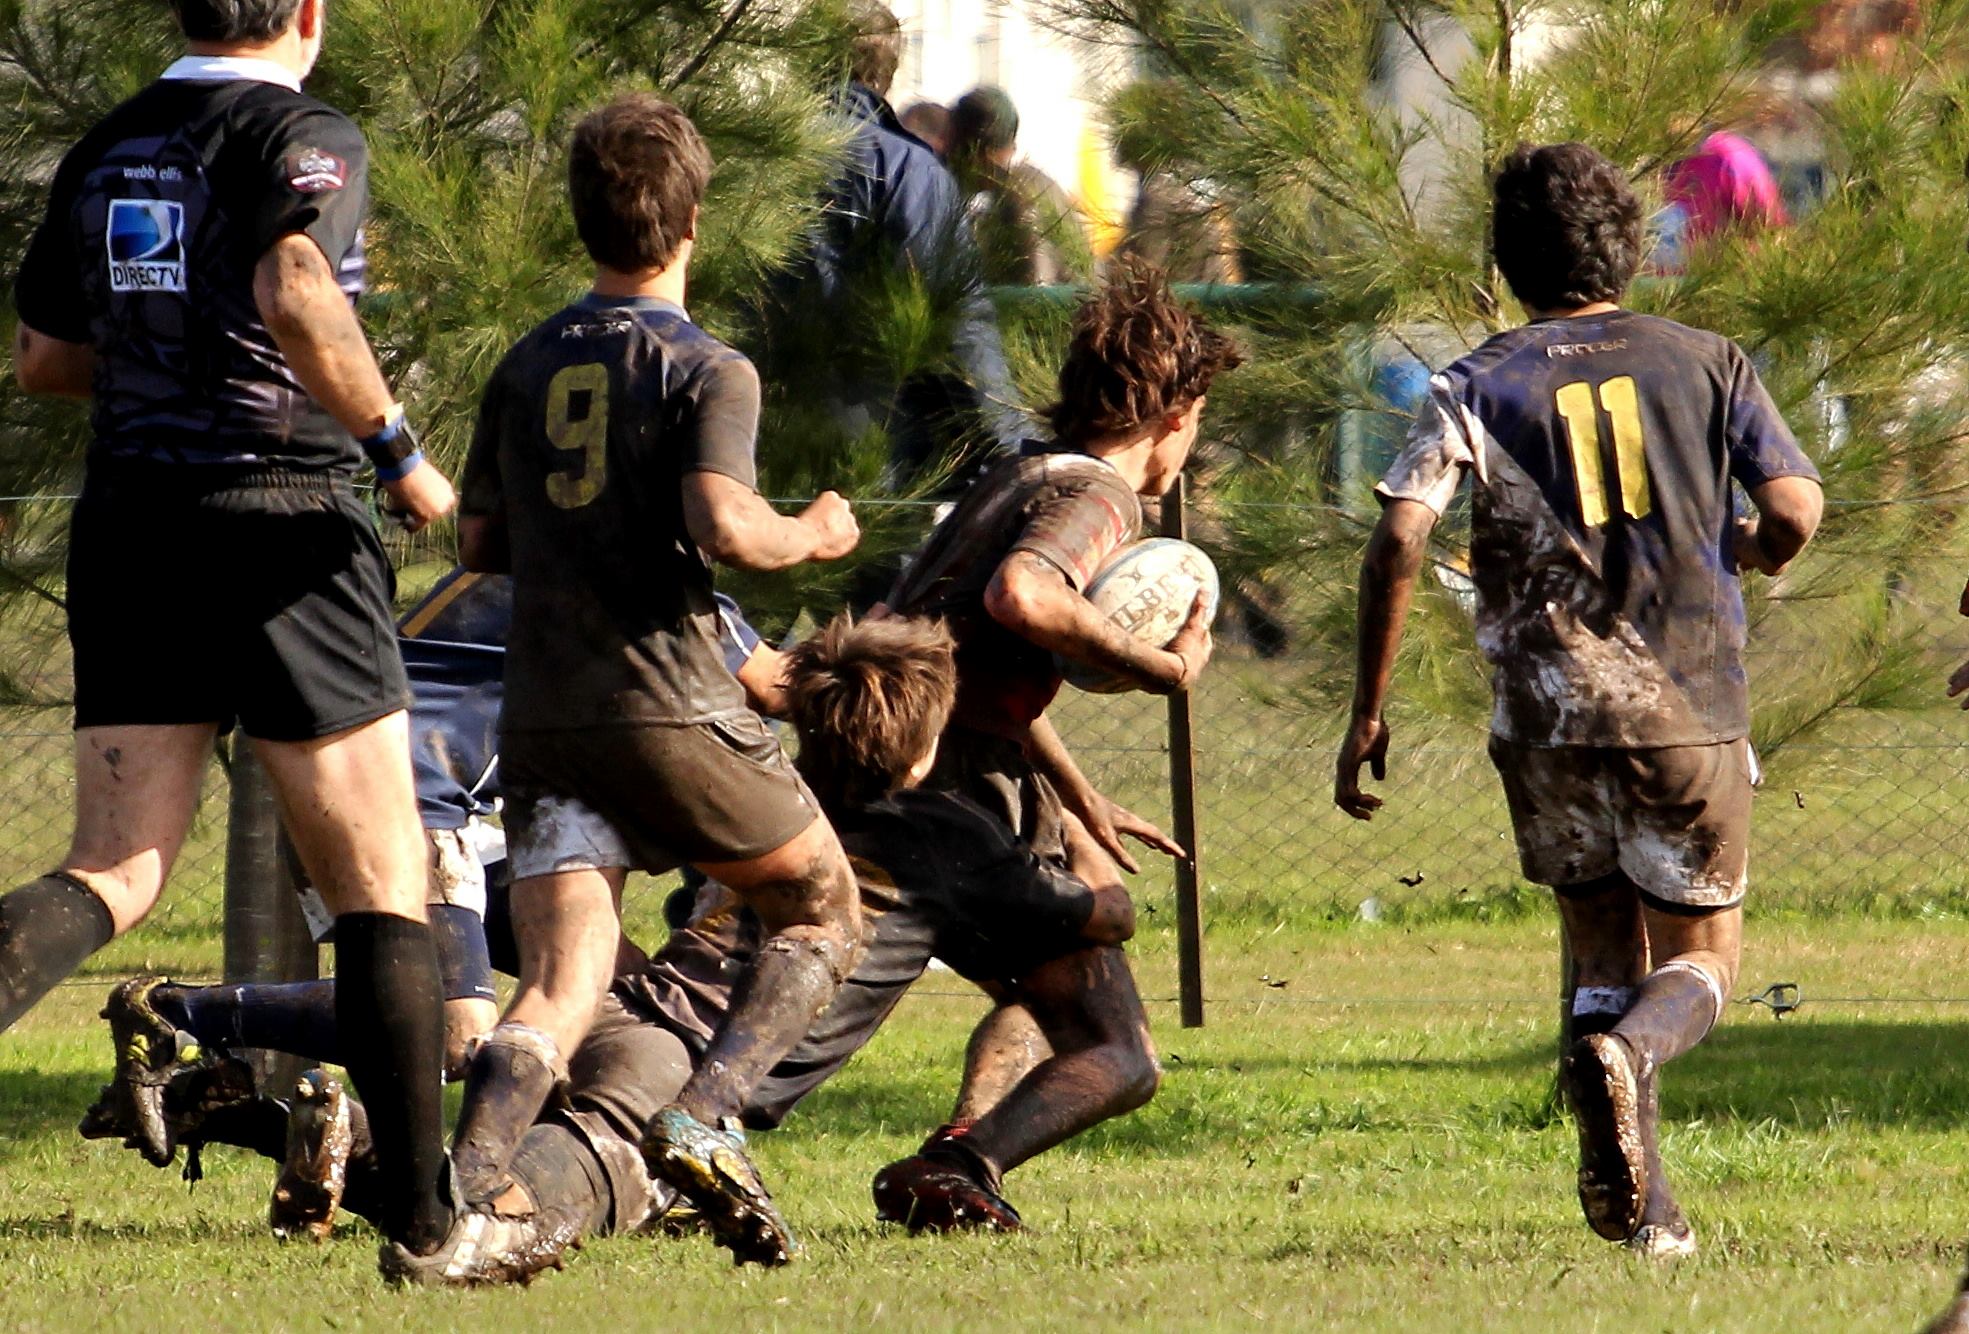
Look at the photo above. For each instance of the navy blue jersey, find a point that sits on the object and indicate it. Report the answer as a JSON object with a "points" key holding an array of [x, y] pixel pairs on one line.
{"points": [[1603, 449], [454, 648], [585, 434], [155, 223]]}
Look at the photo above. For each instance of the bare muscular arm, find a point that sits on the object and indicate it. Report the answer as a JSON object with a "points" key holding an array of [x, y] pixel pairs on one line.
{"points": [[1105, 821], [735, 526], [1394, 558], [319, 337], [1031, 597]]}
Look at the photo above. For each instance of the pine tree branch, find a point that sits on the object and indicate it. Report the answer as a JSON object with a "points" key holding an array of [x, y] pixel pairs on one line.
{"points": [[717, 39]]}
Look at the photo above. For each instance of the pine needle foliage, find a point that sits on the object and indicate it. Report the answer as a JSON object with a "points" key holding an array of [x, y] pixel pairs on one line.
{"points": [[1856, 315]]}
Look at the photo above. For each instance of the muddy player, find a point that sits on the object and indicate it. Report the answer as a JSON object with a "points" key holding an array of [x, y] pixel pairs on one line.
{"points": [[613, 462], [454, 645], [1601, 447], [1006, 569], [938, 877], [195, 279]]}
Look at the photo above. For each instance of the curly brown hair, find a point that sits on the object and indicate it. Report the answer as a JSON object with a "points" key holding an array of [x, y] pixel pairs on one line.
{"points": [[1136, 355], [868, 699], [1566, 226], [635, 177]]}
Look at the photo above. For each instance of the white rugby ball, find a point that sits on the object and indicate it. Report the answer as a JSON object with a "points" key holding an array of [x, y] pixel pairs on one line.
{"points": [[1147, 589]]}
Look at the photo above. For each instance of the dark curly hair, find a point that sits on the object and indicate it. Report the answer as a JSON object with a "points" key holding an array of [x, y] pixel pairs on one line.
{"points": [[235, 20], [1136, 355], [1565, 228]]}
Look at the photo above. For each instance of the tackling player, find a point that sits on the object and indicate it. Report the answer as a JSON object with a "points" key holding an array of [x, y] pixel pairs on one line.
{"points": [[613, 461], [195, 277], [1601, 446], [939, 877]]}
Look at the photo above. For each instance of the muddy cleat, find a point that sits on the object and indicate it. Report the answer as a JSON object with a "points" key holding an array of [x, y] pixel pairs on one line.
{"points": [[312, 1176], [708, 1167], [930, 1192], [1602, 1091], [191, 1095], [149, 1052], [480, 1250], [1663, 1241]]}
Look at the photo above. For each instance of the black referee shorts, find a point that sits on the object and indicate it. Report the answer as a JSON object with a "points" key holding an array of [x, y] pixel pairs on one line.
{"points": [[261, 599]]}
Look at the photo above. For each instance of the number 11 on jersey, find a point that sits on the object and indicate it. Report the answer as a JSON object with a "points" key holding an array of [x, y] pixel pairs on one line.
{"points": [[1622, 403]]}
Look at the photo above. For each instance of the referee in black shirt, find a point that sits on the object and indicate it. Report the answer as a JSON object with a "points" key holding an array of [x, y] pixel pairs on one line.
{"points": [[195, 278]]}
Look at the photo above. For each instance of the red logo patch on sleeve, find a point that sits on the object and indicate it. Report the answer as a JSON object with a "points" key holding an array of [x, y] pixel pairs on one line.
{"points": [[312, 171]]}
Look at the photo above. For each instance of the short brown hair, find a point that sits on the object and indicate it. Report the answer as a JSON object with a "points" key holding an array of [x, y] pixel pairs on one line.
{"points": [[868, 699], [876, 49], [634, 178], [1136, 355]]}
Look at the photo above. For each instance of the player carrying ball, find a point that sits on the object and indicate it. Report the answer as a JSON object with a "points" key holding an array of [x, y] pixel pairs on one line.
{"points": [[613, 461], [1601, 446]]}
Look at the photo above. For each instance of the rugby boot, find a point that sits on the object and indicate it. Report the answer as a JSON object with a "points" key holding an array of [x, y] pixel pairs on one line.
{"points": [[481, 1249], [315, 1171], [943, 1187], [707, 1165], [1602, 1090], [149, 1054], [1664, 1233]]}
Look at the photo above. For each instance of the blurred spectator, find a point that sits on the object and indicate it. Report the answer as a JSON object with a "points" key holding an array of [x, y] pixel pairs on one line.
{"points": [[1028, 230], [1724, 186], [893, 210], [930, 122], [1179, 226]]}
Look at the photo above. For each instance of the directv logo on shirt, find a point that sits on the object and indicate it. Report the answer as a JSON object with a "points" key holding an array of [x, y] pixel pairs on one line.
{"points": [[146, 245]]}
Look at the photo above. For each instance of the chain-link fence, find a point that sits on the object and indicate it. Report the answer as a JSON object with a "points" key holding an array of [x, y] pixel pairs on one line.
{"points": [[1861, 808]]}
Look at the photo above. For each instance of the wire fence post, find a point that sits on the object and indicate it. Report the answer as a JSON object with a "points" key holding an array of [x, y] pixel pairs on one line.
{"points": [[1182, 807], [266, 937]]}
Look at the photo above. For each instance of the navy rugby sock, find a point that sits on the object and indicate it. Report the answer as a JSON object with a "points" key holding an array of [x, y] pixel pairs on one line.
{"points": [[293, 1017], [388, 991], [47, 928], [1678, 1004]]}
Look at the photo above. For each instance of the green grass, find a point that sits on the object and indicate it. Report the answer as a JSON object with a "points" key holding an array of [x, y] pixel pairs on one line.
{"points": [[1364, 1147]]}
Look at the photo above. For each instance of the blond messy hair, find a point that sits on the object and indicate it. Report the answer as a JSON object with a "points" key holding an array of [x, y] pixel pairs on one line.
{"points": [[868, 700]]}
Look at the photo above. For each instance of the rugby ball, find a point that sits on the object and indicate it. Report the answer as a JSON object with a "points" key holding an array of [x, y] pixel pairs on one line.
{"points": [[1147, 589]]}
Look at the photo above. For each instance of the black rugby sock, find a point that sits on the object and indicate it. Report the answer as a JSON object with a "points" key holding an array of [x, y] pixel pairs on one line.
{"points": [[47, 928], [1677, 1006], [293, 1017], [388, 991]]}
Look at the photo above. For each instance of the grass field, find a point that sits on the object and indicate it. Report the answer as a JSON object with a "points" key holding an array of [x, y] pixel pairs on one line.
{"points": [[1364, 1147]]}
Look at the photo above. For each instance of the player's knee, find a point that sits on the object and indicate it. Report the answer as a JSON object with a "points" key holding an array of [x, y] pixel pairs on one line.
{"points": [[129, 890], [1141, 1074]]}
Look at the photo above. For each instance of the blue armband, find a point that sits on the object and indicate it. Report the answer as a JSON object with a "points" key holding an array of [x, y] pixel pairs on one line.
{"points": [[394, 449], [401, 469]]}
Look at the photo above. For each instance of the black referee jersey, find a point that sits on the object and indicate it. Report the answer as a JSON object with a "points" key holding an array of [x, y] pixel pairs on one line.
{"points": [[155, 224]]}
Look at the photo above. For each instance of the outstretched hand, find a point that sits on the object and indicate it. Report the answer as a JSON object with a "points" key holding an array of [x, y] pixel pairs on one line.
{"points": [[1106, 821], [1959, 682], [1366, 743]]}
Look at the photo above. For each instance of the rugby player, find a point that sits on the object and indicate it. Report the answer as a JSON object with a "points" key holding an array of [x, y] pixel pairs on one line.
{"points": [[613, 462], [1601, 447], [194, 277], [1006, 570], [938, 877], [454, 646]]}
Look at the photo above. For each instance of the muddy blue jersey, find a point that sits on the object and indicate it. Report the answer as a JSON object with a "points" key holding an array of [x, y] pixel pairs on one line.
{"points": [[454, 649], [155, 223], [1601, 451]]}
